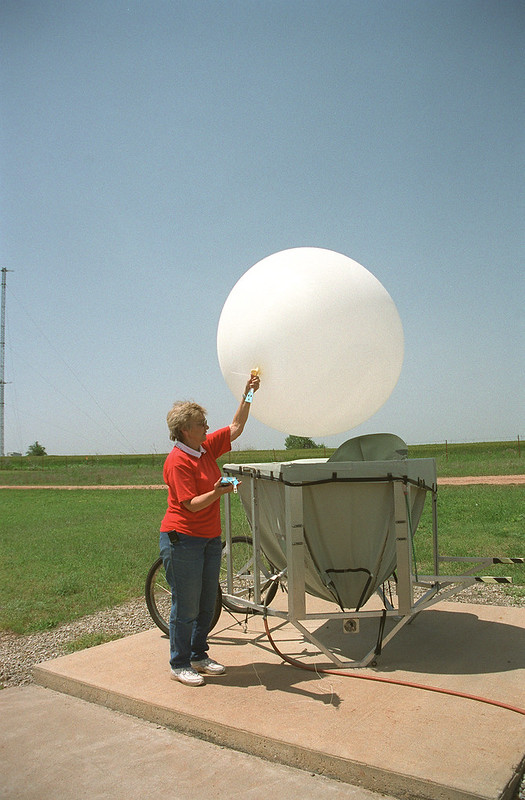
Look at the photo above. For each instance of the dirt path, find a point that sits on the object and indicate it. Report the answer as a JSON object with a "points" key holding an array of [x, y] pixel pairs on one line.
{"points": [[492, 480], [96, 486]]}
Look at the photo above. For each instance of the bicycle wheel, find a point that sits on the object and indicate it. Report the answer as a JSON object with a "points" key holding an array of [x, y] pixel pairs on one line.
{"points": [[158, 598], [243, 576]]}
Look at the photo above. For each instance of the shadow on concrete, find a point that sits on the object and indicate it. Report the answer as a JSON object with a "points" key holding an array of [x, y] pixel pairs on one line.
{"points": [[288, 680], [437, 642]]}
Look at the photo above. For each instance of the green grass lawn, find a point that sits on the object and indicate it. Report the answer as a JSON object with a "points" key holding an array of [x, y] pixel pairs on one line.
{"points": [[69, 553], [476, 521]]}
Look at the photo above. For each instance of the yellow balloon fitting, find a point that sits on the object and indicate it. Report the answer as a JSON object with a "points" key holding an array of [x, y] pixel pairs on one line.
{"points": [[255, 372]]}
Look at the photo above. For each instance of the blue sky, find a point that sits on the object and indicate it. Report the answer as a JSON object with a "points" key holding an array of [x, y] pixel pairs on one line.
{"points": [[152, 152]]}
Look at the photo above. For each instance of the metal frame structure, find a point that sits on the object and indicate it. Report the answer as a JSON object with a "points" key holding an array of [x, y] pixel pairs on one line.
{"points": [[436, 587]]}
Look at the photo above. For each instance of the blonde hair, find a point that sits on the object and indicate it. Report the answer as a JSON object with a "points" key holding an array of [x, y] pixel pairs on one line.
{"points": [[182, 413]]}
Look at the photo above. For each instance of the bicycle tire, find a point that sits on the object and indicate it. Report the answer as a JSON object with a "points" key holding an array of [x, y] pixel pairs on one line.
{"points": [[243, 579], [158, 598]]}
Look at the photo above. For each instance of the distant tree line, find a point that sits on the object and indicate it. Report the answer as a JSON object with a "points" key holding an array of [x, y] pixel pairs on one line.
{"points": [[300, 443], [36, 449]]}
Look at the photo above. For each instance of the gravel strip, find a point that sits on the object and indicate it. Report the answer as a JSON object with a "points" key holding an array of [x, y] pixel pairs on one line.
{"points": [[18, 653]]}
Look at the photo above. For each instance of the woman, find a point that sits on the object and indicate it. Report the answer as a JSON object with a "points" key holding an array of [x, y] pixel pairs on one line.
{"points": [[190, 533]]}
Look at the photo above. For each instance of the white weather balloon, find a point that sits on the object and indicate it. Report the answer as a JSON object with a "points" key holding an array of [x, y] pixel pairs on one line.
{"points": [[325, 335]]}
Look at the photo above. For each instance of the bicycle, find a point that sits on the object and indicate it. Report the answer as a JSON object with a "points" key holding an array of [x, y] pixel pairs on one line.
{"points": [[158, 593]]}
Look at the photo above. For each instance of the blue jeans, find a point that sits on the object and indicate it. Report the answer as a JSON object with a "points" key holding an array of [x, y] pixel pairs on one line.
{"points": [[192, 567]]}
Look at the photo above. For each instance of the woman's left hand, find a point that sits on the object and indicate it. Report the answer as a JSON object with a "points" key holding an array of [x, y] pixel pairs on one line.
{"points": [[253, 383]]}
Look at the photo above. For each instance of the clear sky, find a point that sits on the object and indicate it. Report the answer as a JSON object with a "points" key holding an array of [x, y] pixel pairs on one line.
{"points": [[151, 152]]}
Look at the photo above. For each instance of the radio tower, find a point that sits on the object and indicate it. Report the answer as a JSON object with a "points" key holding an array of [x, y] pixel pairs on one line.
{"points": [[2, 359]]}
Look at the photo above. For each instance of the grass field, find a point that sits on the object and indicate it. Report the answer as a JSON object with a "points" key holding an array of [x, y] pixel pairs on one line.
{"points": [[68, 553], [481, 458]]}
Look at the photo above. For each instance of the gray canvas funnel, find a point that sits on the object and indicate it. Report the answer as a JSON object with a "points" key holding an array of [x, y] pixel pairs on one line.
{"points": [[347, 510]]}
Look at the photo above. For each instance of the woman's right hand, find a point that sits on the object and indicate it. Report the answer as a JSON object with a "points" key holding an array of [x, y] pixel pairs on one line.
{"points": [[224, 488]]}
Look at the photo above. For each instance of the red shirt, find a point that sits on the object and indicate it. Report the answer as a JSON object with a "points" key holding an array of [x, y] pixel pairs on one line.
{"points": [[188, 476]]}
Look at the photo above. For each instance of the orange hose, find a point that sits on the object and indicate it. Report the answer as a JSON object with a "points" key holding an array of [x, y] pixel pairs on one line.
{"points": [[313, 668]]}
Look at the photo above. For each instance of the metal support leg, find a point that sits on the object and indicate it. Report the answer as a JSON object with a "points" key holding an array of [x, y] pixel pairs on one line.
{"points": [[435, 533], [403, 549], [228, 540], [295, 551], [256, 542]]}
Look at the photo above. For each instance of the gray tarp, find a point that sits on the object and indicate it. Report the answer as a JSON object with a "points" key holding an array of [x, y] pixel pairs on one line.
{"points": [[348, 517]]}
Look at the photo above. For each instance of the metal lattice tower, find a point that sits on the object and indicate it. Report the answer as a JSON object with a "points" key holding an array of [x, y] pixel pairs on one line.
{"points": [[2, 358]]}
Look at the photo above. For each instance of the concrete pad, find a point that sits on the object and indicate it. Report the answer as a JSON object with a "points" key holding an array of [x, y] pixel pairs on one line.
{"points": [[399, 740], [60, 747]]}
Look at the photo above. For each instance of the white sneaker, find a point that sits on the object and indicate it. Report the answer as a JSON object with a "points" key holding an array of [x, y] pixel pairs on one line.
{"points": [[187, 675], [208, 666]]}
